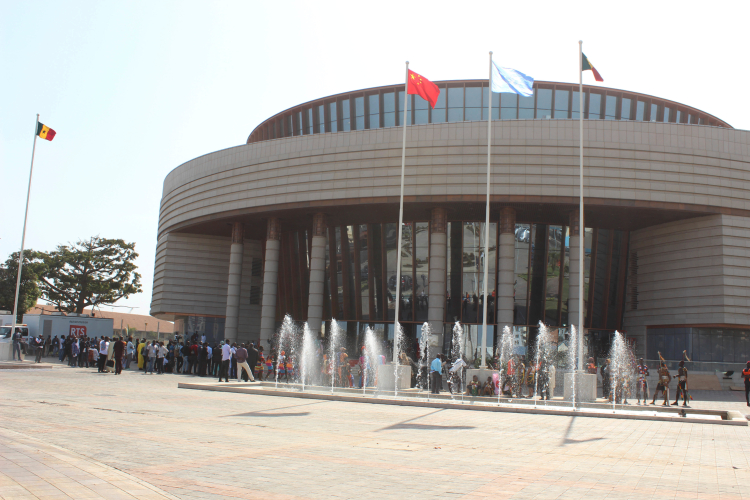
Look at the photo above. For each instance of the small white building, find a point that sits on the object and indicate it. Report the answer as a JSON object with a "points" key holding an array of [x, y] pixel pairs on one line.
{"points": [[59, 324]]}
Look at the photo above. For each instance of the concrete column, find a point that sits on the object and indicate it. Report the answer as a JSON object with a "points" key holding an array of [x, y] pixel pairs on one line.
{"points": [[317, 273], [270, 281], [575, 241], [436, 288], [235, 279], [506, 269]]}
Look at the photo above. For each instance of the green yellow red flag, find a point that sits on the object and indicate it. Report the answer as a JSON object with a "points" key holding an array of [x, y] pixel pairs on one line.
{"points": [[586, 66], [45, 132]]}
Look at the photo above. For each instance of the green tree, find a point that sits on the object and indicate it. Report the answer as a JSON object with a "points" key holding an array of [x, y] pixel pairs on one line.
{"points": [[90, 273], [33, 267]]}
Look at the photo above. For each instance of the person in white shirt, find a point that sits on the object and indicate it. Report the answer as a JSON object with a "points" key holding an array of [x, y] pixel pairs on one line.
{"points": [[103, 349], [151, 350], [209, 358], [226, 358], [129, 351]]}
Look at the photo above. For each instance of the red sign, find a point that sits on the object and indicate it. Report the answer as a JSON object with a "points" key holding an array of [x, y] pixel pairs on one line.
{"points": [[78, 330]]}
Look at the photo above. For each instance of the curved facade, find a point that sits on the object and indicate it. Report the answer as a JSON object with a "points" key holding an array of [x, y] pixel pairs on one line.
{"points": [[305, 224]]}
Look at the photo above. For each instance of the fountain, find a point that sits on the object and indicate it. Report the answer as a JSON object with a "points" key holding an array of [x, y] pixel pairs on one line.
{"points": [[457, 345], [286, 342], [620, 368], [572, 363], [506, 351], [423, 379], [333, 356], [372, 359], [398, 338], [307, 357]]}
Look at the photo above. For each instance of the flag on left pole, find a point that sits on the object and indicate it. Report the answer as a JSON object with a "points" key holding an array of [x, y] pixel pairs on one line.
{"points": [[417, 84], [45, 132]]}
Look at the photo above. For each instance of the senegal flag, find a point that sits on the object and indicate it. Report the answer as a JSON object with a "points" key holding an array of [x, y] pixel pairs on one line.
{"points": [[586, 65], [45, 132]]}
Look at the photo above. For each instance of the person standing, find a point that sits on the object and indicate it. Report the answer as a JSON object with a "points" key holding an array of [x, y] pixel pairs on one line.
{"points": [[436, 374], [746, 376], [642, 383], [17, 344], [663, 384], [242, 355], [39, 343], [682, 384], [209, 358], [119, 352], [202, 360], [252, 358], [226, 358], [103, 348], [129, 351]]}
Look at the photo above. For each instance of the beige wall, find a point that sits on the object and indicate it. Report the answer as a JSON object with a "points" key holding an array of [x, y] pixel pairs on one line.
{"points": [[691, 272], [626, 162], [191, 275]]}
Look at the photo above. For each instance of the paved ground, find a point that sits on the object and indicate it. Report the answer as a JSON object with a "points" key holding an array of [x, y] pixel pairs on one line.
{"points": [[197, 444]]}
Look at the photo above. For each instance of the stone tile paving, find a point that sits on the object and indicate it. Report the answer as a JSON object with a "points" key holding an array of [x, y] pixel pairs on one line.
{"points": [[209, 445]]}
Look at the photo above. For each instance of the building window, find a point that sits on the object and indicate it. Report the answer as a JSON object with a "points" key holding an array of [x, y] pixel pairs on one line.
{"points": [[309, 124], [455, 104], [334, 123], [473, 110], [255, 295], [625, 111], [525, 107], [346, 116], [374, 103], [421, 111], [595, 106], [640, 109], [561, 104], [485, 101], [389, 109], [666, 116], [509, 106], [322, 120], [438, 113], [610, 110], [359, 113], [544, 104]]}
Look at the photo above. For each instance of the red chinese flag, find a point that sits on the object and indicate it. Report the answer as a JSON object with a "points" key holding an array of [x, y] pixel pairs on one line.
{"points": [[424, 88]]}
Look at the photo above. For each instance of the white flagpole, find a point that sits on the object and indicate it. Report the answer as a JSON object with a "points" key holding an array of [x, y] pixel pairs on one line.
{"points": [[487, 221], [25, 217], [581, 226], [400, 222]]}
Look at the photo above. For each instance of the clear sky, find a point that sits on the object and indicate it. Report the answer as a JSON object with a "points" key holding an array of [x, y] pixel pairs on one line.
{"points": [[136, 88]]}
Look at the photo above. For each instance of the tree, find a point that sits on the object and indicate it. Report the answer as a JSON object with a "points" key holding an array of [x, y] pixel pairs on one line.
{"points": [[33, 268], [90, 273]]}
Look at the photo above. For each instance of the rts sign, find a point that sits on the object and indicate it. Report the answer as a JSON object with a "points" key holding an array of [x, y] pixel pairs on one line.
{"points": [[78, 330]]}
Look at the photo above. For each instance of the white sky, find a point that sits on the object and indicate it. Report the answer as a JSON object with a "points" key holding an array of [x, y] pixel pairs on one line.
{"points": [[134, 89]]}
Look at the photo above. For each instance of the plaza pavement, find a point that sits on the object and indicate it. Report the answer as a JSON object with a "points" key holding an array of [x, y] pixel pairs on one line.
{"points": [[140, 435]]}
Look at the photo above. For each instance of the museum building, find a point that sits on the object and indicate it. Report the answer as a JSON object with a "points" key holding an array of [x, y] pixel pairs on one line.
{"points": [[302, 220]]}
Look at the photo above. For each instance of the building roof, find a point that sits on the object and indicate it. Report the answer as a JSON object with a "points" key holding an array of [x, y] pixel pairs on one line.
{"points": [[141, 322]]}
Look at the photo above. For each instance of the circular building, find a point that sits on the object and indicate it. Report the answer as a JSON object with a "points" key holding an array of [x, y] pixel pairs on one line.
{"points": [[302, 220]]}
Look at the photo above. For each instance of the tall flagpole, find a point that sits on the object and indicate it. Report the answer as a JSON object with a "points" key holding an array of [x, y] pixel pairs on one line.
{"points": [[487, 221], [23, 235], [581, 226], [400, 222]]}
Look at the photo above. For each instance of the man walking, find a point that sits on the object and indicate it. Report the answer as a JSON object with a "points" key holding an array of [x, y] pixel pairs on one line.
{"points": [[17, 344], [226, 358], [103, 349], [129, 351], [119, 351], [241, 355]]}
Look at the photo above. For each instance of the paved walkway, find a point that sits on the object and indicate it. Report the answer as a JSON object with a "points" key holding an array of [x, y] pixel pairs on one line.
{"points": [[197, 444], [31, 469]]}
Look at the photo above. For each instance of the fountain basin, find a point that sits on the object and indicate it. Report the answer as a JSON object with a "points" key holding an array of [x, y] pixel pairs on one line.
{"points": [[386, 374], [585, 387]]}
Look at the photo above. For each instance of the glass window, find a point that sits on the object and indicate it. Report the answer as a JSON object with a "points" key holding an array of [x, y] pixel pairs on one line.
{"points": [[359, 113], [421, 111], [346, 116], [334, 127], [470, 289], [520, 286], [374, 102], [554, 268], [364, 275], [327, 279], [625, 111], [575, 106], [654, 109], [336, 258], [640, 108], [610, 110], [455, 104], [322, 119], [544, 103], [566, 279], [525, 107], [400, 104], [509, 109], [288, 129], [298, 124], [690, 118], [422, 271], [666, 116], [309, 127], [595, 106], [588, 240], [561, 104], [677, 116], [348, 260], [438, 113], [375, 270], [454, 254], [473, 104], [389, 109], [495, 104], [407, 273], [391, 242]]}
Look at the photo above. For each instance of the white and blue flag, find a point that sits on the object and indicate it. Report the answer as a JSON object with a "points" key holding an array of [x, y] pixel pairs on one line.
{"points": [[510, 80]]}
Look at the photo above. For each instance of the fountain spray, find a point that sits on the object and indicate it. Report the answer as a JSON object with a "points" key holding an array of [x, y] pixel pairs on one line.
{"points": [[333, 339], [506, 350]]}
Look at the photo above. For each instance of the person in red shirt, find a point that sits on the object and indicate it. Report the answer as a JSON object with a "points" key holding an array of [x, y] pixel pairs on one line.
{"points": [[746, 376]]}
